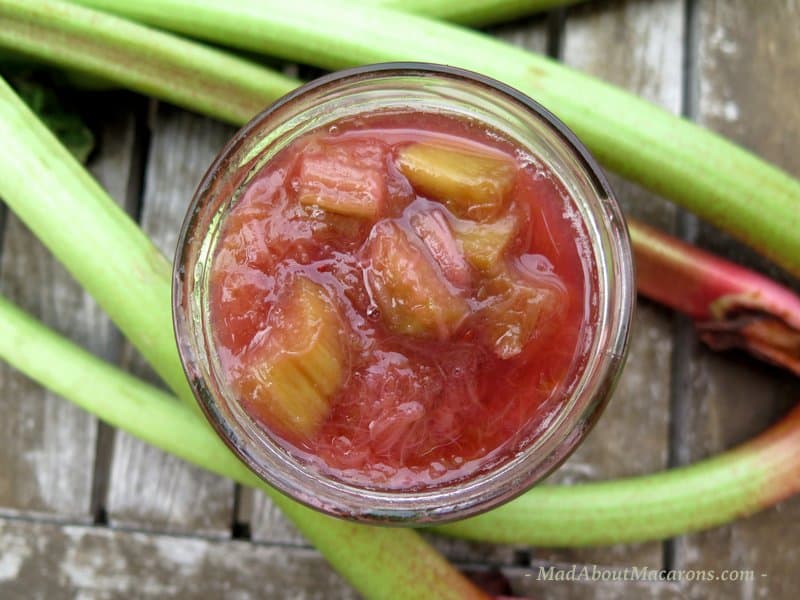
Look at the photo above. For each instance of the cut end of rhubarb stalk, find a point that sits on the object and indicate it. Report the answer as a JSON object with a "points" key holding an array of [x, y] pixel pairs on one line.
{"points": [[518, 309], [472, 184], [336, 183], [484, 244], [733, 307], [300, 365], [411, 296], [742, 324]]}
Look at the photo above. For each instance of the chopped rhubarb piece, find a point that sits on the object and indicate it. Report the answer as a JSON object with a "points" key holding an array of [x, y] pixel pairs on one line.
{"points": [[473, 184], [433, 229], [411, 296], [300, 363], [335, 184], [519, 308], [483, 244]]}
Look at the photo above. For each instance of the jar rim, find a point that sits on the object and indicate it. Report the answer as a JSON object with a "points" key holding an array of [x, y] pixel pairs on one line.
{"points": [[437, 504]]}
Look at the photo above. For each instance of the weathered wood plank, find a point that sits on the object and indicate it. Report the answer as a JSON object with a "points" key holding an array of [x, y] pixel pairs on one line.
{"points": [[148, 488], [638, 46], [265, 520], [748, 74], [531, 33], [42, 561], [47, 445]]}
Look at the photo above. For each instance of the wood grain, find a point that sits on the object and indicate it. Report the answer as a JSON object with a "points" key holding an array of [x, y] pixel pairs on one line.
{"points": [[638, 46], [747, 74], [149, 489], [42, 561], [530, 33], [45, 561], [47, 445]]}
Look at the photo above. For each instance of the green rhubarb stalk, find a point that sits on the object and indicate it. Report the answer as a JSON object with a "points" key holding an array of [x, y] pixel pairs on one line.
{"points": [[119, 52], [470, 12], [731, 485], [378, 562], [148, 61], [730, 187], [93, 237], [393, 562]]}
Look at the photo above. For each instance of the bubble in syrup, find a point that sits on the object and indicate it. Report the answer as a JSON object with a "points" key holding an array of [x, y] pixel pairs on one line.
{"points": [[536, 263], [373, 312], [436, 470]]}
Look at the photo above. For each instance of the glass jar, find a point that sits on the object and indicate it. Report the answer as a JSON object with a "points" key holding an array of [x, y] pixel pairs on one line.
{"points": [[423, 87]]}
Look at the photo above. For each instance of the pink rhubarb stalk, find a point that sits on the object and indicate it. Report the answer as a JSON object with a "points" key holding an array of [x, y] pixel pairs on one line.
{"points": [[733, 307]]}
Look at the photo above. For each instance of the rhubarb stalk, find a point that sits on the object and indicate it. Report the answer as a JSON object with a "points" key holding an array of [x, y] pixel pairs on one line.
{"points": [[394, 562], [730, 187], [728, 486], [733, 307], [148, 61], [90, 234], [470, 12]]}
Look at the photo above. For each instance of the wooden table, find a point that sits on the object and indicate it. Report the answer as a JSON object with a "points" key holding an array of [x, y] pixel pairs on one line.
{"points": [[89, 512]]}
